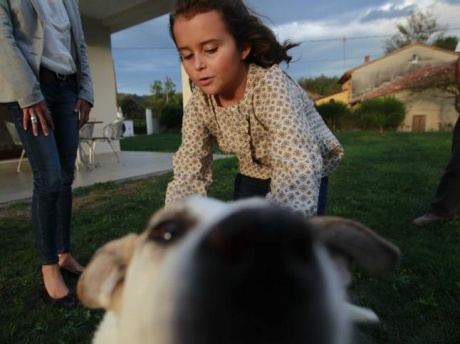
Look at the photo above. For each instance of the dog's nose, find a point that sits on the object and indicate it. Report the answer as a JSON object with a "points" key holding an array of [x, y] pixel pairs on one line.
{"points": [[253, 235]]}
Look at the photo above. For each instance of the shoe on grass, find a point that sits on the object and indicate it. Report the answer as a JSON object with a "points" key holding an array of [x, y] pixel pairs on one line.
{"points": [[428, 218]]}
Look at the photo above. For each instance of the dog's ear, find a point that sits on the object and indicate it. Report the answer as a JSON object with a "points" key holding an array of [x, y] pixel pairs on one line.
{"points": [[101, 284], [348, 241], [347, 238]]}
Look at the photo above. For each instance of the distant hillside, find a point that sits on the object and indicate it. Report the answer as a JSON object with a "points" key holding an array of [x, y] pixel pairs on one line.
{"points": [[138, 99]]}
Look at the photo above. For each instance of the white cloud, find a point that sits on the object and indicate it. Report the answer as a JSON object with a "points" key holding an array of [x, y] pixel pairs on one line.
{"points": [[339, 27]]}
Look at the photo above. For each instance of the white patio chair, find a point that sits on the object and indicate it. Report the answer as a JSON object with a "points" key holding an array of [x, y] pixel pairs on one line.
{"points": [[111, 132], [16, 140], [86, 135]]}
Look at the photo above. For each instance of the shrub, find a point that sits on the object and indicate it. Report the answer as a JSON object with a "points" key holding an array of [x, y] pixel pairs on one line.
{"points": [[140, 126], [395, 112], [131, 109], [386, 113], [335, 114], [171, 116]]}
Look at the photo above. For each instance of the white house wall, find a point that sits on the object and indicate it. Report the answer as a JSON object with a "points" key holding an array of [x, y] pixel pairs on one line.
{"points": [[103, 73], [436, 105], [186, 91]]}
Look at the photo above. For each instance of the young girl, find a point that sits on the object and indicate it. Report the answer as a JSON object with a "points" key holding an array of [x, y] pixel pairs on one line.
{"points": [[245, 102]]}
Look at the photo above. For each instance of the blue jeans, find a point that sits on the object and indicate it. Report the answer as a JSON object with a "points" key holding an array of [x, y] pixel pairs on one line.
{"points": [[246, 187], [322, 198], [52, 159]]}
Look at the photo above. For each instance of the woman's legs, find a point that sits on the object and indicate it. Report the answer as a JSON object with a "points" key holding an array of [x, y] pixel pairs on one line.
{"points": [[43, 157], [61, 101], [52, 159]]}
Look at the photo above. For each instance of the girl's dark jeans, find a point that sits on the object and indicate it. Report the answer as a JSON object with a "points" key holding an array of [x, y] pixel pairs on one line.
{"points": [[246, 187]]}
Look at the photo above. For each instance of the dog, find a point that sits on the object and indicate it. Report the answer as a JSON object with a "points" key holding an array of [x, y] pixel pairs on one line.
{"points": [[211, 272]]}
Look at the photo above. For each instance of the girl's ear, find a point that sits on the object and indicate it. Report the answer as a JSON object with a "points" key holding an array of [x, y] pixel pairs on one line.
{"points": [[245, 52]]}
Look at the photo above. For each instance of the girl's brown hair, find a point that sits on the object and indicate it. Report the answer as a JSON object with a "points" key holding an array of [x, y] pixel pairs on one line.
{"points": [[243, 24]]}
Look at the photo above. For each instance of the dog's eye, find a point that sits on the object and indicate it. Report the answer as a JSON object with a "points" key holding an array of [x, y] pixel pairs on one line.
{"points": [[167, 231]]}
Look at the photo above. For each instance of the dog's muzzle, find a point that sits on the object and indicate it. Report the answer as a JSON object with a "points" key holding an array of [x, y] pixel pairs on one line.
{"points": [[256, 280]]}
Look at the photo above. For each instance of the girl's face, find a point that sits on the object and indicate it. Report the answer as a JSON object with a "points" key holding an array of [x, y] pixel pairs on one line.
{"points": [[211, 57]]}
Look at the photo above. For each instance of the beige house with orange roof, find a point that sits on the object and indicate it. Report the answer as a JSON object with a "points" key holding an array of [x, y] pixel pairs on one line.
{"points": [[420, 75]]}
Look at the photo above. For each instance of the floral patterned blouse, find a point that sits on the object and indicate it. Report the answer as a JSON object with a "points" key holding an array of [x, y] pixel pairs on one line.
{"points": [[274, 131]]}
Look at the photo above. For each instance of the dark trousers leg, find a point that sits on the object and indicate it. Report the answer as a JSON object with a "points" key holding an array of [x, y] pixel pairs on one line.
{"points": [[322, 199], [447, 197], [246, 187]]}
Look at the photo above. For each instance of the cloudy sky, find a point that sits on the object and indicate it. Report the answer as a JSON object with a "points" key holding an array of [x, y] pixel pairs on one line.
{"points": [[335, 36]]}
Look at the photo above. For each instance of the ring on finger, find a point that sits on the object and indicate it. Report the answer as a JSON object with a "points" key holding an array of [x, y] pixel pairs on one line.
{"points": [[33, 119]]}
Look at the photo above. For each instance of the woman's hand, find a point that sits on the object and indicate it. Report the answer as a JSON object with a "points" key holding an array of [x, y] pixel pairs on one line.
{"points": [[84, 108], [35, 115]]}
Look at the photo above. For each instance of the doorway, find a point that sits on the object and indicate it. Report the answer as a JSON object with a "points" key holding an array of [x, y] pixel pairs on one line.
{"points": [[419, 123]]}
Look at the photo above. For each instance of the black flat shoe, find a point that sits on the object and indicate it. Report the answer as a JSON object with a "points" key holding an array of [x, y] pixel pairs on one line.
{"points": [[68, 301]]}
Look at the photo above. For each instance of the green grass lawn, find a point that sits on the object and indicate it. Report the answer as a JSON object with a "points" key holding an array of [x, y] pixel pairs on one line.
{"points": [[167, 142], [384, 181]]}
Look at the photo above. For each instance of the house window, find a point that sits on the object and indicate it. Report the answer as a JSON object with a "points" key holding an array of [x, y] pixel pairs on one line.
{"points": [[419, 123]]}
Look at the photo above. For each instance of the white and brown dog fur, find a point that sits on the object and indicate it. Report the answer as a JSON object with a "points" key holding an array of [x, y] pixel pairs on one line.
{"points": [[206, 271]]}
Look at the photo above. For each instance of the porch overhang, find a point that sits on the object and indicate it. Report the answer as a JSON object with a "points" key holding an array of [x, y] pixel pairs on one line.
{"points": [[122, 14]]}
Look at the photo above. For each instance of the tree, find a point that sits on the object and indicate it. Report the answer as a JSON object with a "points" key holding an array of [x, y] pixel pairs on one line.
{"points": [[322, 85], [157, 89], [162, 94], [156, 100], [420, 27], [448, 42], [169, 89]]}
